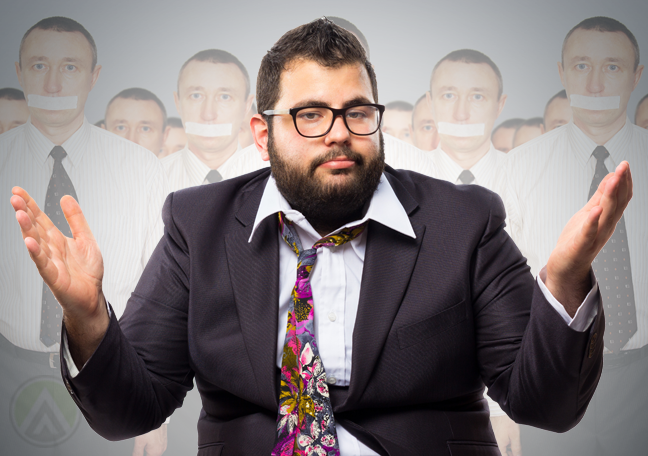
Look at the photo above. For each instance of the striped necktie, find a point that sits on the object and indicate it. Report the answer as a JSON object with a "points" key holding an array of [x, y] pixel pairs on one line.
{"points": [[305, 423]]}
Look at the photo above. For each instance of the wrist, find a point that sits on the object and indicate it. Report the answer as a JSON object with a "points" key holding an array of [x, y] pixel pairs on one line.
{"points": [[569, 287]]}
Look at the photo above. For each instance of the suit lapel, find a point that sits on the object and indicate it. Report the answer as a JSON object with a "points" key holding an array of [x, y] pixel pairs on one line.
{"points": [[254, 272], [389, 263]]}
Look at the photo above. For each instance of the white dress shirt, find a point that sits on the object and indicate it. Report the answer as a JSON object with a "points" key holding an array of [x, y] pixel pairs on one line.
{"points": [[548, 181], [121, 189], [398, 155], [488, 171], [184, 169]]}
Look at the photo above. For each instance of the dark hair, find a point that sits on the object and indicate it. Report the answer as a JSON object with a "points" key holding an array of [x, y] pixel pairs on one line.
{"points": [[100, 123], [562, 94], [399, 106], [60, 24], [217, 56], [136, 93], [472, 56], [421, 98], [603, 24], [9, 93], [174, 122], [353, 29], [320, 41], [644, 98], [510, 123], [532, 122]]}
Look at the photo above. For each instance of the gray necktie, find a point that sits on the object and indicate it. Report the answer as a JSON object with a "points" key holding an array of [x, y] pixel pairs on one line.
{"points": [[59, 185], [612, 269], [466, 177], [214, 176]]}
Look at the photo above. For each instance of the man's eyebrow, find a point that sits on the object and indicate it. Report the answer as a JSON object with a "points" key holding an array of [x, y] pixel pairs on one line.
{"points": [[356, 101], [324, 104]]}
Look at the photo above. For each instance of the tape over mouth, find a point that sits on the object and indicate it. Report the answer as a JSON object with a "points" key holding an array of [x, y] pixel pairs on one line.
{"points": [[52, 103], [208, 130], [461, 130], [595, 103]]}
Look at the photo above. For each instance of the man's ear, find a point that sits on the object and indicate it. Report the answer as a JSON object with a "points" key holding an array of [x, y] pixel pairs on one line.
{"points": [[248, 104], [561, 73], [165, 135], [19, 76], [502, 103], [177, 103], [428, 102], [95, 75], [259, 127]]}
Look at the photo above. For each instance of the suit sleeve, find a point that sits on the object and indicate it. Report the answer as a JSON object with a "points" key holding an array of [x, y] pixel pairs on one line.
{"points": [[140, 372], [540, 371]]}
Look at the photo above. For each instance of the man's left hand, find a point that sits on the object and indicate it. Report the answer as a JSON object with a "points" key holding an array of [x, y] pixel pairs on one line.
{"points": [[152, 443], [507, 434], [585, 234]]}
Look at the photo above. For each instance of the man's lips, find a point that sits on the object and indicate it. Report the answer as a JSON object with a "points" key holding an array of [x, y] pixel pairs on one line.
{"points": [[341, 162]]}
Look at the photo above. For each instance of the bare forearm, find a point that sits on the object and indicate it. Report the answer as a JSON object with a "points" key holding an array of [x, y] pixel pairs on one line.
{"points": [[85, 332], [569, 288]]}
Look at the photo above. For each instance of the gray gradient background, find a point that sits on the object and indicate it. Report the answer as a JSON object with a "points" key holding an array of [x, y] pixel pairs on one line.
{"points": [[143, 43]]}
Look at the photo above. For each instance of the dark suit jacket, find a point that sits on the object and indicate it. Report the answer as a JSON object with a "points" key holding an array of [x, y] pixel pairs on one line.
{"points": [[438, 317]]}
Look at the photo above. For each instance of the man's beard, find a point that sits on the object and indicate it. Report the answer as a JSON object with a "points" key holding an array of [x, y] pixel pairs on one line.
{"points": [[328, 206]]}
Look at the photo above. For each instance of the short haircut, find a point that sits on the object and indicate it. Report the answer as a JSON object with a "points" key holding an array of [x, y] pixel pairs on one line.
{"points": [[320, 41], [353, 29], [510, 123], [562, 94], [644, 98], [603, 24], [136, 93], [174, 122], [9, 93], [421, 98], [532, 122], [60, 24], [472, 56], [217, 56], [400, 106]]}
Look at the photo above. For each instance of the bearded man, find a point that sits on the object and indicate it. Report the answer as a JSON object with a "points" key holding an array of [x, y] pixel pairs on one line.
{"points": [[409, 295]]}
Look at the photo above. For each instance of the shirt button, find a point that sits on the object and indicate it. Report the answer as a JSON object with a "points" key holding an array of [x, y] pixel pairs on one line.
{"points": [[331, 380], [332, 316]]}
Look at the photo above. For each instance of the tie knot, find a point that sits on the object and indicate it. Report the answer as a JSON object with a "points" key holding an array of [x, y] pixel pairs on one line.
{"points": [[600, 153], [466, 177], [58, 153], [214, 176]]}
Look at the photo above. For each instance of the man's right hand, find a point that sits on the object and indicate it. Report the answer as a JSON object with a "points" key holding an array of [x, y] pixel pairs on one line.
{"points": [[72, 268]]}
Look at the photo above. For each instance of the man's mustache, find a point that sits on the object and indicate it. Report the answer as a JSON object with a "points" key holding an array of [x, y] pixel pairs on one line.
{"points": [[335, 153]]}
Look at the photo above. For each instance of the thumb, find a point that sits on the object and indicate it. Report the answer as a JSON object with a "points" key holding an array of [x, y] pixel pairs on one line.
{"points": [[75, 218]]}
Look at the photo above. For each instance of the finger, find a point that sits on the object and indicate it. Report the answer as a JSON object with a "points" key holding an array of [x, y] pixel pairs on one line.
{"points": [[29, 227], [36, 212], [589, 231], [46, 267], [609, 204], [138, 448], [75, 218], [624, 193], [596, 197]]}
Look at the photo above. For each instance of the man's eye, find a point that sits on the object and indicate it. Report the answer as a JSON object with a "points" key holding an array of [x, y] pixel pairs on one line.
{"points": [[195, 96], [613, 67], [356, 115], [121, 128], [146, 129], [581, 66], [39, 66], [447, 96], [225, 97], [70, 67], [428, 128], [478, 97], [310, 115]]}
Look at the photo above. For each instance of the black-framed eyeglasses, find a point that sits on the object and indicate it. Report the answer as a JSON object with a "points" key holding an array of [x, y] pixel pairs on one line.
{"points": [[316, 121]]}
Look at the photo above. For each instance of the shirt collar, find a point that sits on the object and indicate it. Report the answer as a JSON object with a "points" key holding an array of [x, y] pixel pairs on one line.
{"points": [[481, 170], [198, 170], [384, 208], [75, 146], [583, 145]]}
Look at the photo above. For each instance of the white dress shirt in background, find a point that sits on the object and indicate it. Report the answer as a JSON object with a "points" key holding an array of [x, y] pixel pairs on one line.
{"points": [[398, 155], [488, 171], [121, 188], [184, 169], [548, 181]]}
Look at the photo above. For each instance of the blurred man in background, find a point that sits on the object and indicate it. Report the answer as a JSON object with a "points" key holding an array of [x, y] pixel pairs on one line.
{"points": [[13, 109], [353, 29], [502, 136], [557, 172], [557, 112], [213, 98], [641, 114], [530, 128], [397, 120], [245, 135], [423, 131], [176, 139], [121, 187], [466, 97], [139, 116]]}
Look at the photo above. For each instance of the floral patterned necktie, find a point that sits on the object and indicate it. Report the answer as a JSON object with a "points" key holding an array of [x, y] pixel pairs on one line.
{"points": [[305, 424]]}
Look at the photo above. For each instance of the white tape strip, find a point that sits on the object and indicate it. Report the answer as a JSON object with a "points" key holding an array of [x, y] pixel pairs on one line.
{"points": [[52, 103], [209, 130], [461, 130], [595, 103]]}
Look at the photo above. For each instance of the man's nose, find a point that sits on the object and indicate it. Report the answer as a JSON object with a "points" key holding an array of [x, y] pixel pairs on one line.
{"points": [[339, 132], [461, 110], [53, 81], [209, 111], [595, 82]]}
